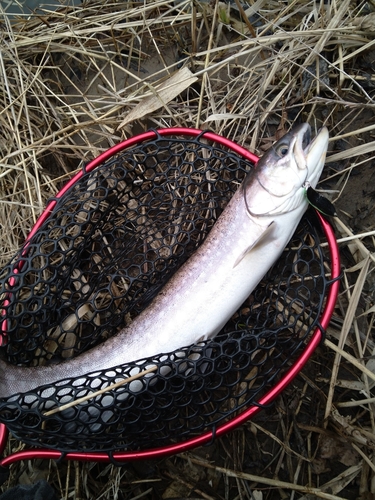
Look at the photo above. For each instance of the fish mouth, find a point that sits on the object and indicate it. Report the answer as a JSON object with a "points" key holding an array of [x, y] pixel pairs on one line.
{"points": [[320, 142], [310, 154], [302, 144], [306, 137]]}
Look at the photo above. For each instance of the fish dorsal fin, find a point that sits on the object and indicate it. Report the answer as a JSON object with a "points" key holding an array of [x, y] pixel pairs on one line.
{"points": [[258, 241]]}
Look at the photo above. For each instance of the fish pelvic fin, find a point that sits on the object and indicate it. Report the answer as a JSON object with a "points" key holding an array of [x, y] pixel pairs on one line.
{"points": [[262, 238]]}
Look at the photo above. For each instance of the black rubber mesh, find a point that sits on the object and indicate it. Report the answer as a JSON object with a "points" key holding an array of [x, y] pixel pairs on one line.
{"points": [[109, 245]]}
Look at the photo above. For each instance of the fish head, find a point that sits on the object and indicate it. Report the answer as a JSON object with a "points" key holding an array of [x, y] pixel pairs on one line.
{"points": [[277, 183]]}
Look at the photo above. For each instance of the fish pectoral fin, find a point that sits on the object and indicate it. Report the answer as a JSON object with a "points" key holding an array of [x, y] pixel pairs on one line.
{"points": [[261, 239]]}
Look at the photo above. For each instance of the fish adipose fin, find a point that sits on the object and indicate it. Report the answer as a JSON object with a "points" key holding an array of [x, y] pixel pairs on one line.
{"points": [[262, 239]]}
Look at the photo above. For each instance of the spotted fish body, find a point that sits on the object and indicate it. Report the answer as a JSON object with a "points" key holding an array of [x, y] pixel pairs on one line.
{"points": [[195, 304]]}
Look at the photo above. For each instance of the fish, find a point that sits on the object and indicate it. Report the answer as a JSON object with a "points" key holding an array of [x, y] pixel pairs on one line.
{"points": [[194, 305]]}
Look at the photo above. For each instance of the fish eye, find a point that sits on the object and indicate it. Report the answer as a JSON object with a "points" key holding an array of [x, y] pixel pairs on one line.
{"points": [[282, 150]]}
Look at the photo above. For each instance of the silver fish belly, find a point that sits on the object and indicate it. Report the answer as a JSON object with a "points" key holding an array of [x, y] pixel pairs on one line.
{"points": [[195, 304]]}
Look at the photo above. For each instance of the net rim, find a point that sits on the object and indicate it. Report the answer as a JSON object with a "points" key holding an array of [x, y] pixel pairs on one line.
{"points": [[207, 437]]}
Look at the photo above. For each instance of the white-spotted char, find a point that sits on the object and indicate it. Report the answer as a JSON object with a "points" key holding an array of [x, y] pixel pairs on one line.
{"points": [[203, 294]]}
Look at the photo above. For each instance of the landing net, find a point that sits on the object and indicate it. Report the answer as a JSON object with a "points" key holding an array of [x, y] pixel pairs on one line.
{"points": [[101, 251]]}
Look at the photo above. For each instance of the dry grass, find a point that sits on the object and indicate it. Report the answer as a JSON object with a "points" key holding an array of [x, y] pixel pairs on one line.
{"points": [[76, 81]]}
